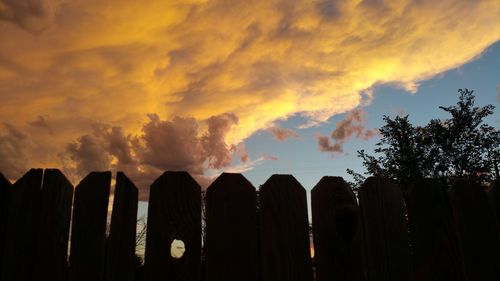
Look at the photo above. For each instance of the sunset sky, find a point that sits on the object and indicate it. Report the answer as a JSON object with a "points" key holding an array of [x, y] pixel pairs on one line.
{"points": [[258, 87]]}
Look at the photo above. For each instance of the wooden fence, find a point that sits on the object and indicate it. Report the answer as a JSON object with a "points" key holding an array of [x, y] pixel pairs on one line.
{"points": [[430, 233]]}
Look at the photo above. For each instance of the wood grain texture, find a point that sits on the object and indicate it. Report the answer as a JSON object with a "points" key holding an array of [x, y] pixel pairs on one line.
{"points": [[174, 212], [231, 230], [52, 254], [387, 253], [120, 255], [88, 233], [337, 231], [284, 230], [477, 231], [437, 255], [23, 228], [5, 188]]}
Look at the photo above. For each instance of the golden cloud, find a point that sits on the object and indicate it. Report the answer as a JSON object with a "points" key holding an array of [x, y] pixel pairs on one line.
{"points": [[116, 61]]}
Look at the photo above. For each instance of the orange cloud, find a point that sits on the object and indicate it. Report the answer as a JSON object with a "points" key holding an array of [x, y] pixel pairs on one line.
{"points": [[350, 127], [281, 134], [84, 62], [175, 144]]}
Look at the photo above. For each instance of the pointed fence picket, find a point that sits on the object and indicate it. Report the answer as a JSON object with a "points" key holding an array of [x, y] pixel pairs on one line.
{"points": [[174, 214], [284, 230], [23, 229], [231, 242], [337, 231], [385, 232], [120, 254], [51, 258], [88, 234]]}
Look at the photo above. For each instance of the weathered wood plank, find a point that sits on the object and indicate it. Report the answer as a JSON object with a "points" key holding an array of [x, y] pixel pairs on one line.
{"points": [[5, 188], [120, 255], [477, 231], [23, 230], [88, 233], [437, 254], [174, 212], [231, 230], [387, 253], [337, 231], [52, 253], [284, 230]]}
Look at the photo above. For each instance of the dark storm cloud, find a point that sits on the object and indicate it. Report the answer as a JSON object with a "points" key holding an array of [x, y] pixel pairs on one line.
{"points": [[329, 9], [213, 142], [32, 15], [42, 122], [13, 156], [89, 154], [178, 144]]}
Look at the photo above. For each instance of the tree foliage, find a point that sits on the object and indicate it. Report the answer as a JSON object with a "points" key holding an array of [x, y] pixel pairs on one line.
{"points": [[459, 147]]}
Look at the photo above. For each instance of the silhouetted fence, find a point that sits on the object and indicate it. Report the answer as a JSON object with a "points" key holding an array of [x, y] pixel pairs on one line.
{"points": [[436, 234]]}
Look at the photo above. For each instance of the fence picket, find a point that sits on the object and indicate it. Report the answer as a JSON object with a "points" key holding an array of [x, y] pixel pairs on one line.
{"points": [[477, 231], [337, 231], [231, 231], [174, 212], [5, 188], [437, 255], [284, 230], [52, 254], [387, 253], [88, 234], [23, 230], [494, 198], [120, 255]]}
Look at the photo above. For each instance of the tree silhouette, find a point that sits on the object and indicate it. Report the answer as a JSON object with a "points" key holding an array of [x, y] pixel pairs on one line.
{"points": [[459, 147]]}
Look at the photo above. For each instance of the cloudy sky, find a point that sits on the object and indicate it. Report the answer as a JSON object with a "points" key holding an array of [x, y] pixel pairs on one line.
{"points": [[207, 86]]}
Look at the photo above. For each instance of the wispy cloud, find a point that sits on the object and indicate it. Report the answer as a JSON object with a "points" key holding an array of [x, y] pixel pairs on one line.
{"points": [[325, 145], [281, 134], [250, 165], [350, 127]]}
